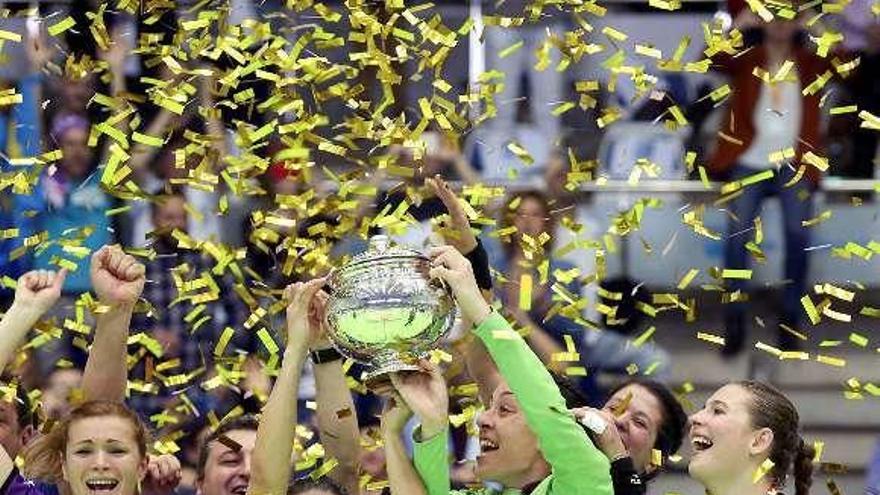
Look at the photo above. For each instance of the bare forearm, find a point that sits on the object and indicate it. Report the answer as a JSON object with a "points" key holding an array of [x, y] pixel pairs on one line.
{"points": [[402, 476], [141, 154], [270, 469], [13, 328], [479, 364], [337, 423], [105, 374]]}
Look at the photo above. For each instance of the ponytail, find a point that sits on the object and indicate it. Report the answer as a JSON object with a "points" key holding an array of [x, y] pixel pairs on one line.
{"points": [[803, 468]]}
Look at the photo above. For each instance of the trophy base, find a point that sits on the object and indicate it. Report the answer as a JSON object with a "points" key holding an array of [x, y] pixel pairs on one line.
{"points": [[378, 379]]}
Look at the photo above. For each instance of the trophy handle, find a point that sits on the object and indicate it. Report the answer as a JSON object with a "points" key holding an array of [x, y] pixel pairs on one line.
{"points": [[442, 284], [329, 286]]}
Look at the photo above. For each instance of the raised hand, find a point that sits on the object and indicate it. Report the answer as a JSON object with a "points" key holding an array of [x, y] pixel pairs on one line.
{"points": [[39, 51], [38, 290], [163, 475], [304, 314], [119, 49], [461, 236], [318, 321], [117, 278], [424, 392], [395, 413], [603, 426], [451, 266]]}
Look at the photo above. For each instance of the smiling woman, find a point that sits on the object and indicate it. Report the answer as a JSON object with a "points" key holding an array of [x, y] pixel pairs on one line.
{"points": [[100, 448], [746, 441]]}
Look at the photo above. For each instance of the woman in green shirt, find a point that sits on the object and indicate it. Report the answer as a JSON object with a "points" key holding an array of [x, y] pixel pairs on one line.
{"points": [[530, 442]]}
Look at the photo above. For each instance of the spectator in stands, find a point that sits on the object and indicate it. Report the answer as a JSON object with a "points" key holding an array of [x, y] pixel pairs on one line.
{"points": [[25, 142], [521, 256], [861, 36], [764, 119], [611, 350], [69, 204], [606, 350], [182, 153], [59, 393], [191, 342], [746, 441]]}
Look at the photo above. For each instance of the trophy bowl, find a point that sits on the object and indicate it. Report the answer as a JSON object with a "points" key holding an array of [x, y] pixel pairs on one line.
{"points": [[385, 311]]}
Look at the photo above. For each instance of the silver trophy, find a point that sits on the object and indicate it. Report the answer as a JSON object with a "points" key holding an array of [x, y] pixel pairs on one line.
{"points": [[385, 311]]}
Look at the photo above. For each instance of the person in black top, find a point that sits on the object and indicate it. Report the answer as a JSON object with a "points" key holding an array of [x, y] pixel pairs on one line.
{"points": [[640, 417]]}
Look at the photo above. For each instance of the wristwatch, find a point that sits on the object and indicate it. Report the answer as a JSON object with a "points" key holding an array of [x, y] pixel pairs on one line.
{"points": [[328, 355]]}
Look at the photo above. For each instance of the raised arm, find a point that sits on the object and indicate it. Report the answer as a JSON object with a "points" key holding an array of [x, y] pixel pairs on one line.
{"points": [[36, 293], [424, 392], [142, 154], [337, 420], [115, 57], [458, 233], [118, 280], [402, 476], [578, 466], [271, 463]]}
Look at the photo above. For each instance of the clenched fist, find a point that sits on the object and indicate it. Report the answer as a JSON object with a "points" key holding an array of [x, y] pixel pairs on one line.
{"points": [[118, 278], [38, 290]]}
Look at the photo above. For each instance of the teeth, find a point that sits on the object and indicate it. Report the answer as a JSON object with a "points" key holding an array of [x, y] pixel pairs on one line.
{"points": [[487, 444], [102, 484], [701, 442]]}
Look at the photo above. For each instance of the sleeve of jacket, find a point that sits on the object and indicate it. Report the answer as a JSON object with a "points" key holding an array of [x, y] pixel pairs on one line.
{"points": [[578, 466], [431, 461]]}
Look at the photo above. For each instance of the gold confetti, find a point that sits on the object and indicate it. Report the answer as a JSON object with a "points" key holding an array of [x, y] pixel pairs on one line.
{"points": [[831, 361], [644, 337], [858, 339], [614, 34], [510, 50], [61, 26], [736, 274], [825, 215], [811, 310], [844, 110], [525, 292], [762, 470], [223, 341], [10, 36], [520, 153], [711, 338]]}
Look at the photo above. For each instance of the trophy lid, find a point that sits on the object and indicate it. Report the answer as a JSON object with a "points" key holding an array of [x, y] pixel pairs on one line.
{"points": [[380, 248]]}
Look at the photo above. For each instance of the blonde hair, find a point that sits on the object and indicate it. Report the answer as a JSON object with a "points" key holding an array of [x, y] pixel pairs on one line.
{"points": [[43, 457]]}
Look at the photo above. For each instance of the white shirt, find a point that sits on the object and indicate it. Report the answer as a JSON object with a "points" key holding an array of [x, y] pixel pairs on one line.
{"points": [[777, 120]]}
